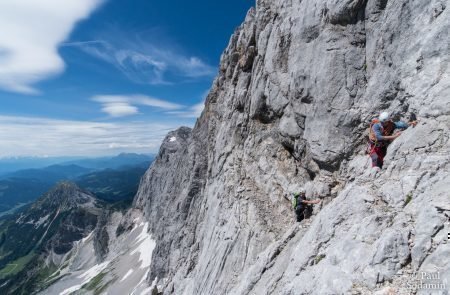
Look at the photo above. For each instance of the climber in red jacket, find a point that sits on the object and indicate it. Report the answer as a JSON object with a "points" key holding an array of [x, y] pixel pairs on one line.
{"points": [[381, 134]]}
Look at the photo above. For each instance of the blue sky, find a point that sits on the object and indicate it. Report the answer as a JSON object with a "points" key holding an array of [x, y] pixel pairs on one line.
{"points": [[93, 77]]}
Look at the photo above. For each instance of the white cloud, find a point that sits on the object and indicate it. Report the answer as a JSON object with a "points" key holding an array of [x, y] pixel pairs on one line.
{"points": [[119, 109], [154, 102], [29, 37], [193, 112], [198, 108], [125, 105], [27, 136], [146, 63]]}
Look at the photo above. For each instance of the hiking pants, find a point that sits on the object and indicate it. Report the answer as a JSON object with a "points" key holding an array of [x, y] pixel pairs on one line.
{"points": [[377, 155], [303, 211], [299, 213]]}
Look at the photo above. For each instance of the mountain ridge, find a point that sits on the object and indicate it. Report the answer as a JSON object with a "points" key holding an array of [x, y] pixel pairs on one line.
{"points": [[297, 88], [115, 180], [36, 240]]}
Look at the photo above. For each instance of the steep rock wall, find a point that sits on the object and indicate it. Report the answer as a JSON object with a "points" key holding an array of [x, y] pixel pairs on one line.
{"points": [[297, 86]]}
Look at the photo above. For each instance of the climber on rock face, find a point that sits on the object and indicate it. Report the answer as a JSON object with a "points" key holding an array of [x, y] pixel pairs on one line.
{"points": [[301, 205], [381, 133]]}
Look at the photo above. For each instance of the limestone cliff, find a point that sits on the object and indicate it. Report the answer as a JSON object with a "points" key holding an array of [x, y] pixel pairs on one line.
{"points": [[297, 87]]}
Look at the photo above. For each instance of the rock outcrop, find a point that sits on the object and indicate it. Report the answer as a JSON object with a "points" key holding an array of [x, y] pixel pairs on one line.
{"points": [[38, 240], [70, 242], [297, 87]]}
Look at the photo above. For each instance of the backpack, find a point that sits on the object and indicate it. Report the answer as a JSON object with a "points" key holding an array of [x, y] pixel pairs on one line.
{"points": [[388, 129], [297, 200], [372, 136]]}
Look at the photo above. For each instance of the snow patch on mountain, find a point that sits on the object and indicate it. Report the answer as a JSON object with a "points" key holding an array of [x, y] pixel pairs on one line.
{"points": [[124, 268]]}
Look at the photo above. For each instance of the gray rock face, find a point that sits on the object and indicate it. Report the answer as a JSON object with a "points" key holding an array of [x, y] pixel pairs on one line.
{"points": [[298, 84], [46, 235], [170, 193]]}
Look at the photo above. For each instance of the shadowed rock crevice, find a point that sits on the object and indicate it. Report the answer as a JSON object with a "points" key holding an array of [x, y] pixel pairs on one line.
{"points": [[345, 12]]}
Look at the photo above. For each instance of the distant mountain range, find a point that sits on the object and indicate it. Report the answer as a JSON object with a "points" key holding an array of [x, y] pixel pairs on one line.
{"points": [[113, 184], [9, 165], [12, 164], [119, 161], [50, 174], [111, 178]]}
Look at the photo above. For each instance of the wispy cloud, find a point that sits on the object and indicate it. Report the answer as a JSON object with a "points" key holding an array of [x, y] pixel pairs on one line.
{"points": [[125, 105], [119, 109], [192, 112], [147, 63], [26, 136], [29, 39]]}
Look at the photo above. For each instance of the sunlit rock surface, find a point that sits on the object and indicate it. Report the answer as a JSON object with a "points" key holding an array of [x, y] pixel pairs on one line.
{"points": [[297, 87]]}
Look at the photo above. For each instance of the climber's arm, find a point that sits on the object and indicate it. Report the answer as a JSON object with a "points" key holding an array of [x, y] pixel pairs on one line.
{"points": [[312, 202], [392, 137], [400, 125], [379, 134], [403, 125]]}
